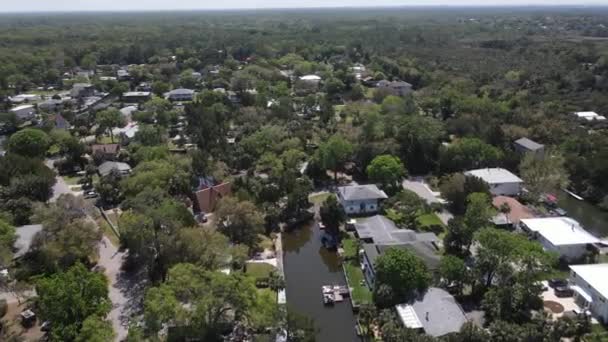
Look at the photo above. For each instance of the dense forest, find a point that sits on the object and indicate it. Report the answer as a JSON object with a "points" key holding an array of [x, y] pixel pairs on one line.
{"points": [[189, 141]]}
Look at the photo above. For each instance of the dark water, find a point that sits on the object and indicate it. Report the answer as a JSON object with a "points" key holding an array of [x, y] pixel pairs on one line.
{"points": [[589, 216], [308, 266]]}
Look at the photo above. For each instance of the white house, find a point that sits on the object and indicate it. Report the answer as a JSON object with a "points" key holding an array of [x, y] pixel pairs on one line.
{"points": [[590, 285], [501, 181], [589, 116], [311, 78], [24, 112], [360, 199], [562, 235]]}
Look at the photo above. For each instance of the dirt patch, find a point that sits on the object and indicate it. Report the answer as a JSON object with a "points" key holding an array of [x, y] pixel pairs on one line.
{"points": [[15, 329], [554, 307]]}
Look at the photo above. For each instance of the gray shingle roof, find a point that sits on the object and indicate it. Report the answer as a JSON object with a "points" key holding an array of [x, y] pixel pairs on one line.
{"points": [[438, 312], [107, 167], [382, 230], [529, 144], [361, 192], [181, 91], [25, 236]]}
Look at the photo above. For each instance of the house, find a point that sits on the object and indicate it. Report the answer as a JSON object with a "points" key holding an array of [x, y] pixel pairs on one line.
{"points": [[501, 181], [208, 197], [525, 145], [180, 95], [126, 133], [434, 312], [127, 112], [106, 151], [397, 88], [24, 112], [378, 233], [311, 79], [136, 96], [81, 90], [60, 122], [106, 168], [589, 116], [144, 86], [51, 105], [590, 286], [360, 199], [517, 211], [23, 98], [107, 78], [123, 75], [25, 237], [562, 235]]}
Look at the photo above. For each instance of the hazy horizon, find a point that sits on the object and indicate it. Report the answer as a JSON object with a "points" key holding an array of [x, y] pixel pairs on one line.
{"points": [[163, 5]]}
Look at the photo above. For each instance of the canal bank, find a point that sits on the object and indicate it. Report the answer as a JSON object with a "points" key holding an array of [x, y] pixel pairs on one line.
{"points": [[308, 266], [588, 215]]}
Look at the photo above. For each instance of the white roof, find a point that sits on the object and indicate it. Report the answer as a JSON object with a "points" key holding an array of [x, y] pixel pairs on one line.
{"points": [[560, 231], [408, 316], [595, 275], [495, 176], [22, 108], [585, 114], [137, 93], [310, 78]]}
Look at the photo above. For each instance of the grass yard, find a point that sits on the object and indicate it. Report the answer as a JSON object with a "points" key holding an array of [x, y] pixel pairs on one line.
{"points": [[259, 270], [350, 246], [71, 179], [319, 197], [428, 220], [108, 231], [360, 292]]}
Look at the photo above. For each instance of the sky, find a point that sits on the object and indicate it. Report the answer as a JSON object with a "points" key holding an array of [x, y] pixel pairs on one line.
{"points": [[126, 5]]}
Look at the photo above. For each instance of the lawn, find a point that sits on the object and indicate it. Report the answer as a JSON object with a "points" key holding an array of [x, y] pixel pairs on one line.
{"points": [[360, 292], [350, 246], [71, 179], [319, 197], [259, 270], [428, 220]]}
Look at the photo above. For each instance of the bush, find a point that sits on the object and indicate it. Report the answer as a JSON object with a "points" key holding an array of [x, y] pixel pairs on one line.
{"points": [[3, 307]]}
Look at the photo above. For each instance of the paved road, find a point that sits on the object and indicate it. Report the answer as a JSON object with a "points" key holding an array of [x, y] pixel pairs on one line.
{"points": [[60, 187]]}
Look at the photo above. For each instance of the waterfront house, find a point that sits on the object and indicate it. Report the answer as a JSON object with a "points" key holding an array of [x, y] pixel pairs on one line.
{"points": [[208, 196], [517, 212], [434, 312], [590, 286], [360, 199], [378, 234], [562, 235], [501, 181], [525, 145]]}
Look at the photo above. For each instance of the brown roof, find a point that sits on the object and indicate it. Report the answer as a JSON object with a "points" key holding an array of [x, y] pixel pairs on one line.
{"points": [[518, 210], [207, 199], [105, 148]]}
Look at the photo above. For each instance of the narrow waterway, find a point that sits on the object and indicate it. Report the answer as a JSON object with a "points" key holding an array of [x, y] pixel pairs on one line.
{"points": [[589, 216], [308, 266]]}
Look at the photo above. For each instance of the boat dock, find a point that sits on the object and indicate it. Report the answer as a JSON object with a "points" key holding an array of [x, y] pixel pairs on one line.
{"points": [[334, 293]]}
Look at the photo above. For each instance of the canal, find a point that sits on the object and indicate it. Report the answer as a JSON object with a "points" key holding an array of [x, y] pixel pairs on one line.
{"points": [[308, 266], [589, 216]]}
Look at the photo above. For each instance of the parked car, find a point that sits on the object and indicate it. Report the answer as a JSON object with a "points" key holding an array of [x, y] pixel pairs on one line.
{"points": [[91, 194], [563, 291], [557, 282]]}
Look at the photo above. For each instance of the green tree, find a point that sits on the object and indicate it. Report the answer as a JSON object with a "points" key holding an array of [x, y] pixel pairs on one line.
{"points": [[29, 142], [468, 153], [241, 221], [299, 328], [453, 271], [7, 239], [403, 273], [68, 299], [95, 329], [332, 214], [544, 174], [109, 119], [386, 170], [334, 153]]}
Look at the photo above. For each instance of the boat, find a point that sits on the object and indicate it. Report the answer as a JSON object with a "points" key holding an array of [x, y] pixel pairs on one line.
{"points": [[328, 299], [573, 194]]}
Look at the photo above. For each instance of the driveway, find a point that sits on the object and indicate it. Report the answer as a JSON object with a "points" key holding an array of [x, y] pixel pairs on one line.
{"points": [[125, 290], [423, 191]]}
